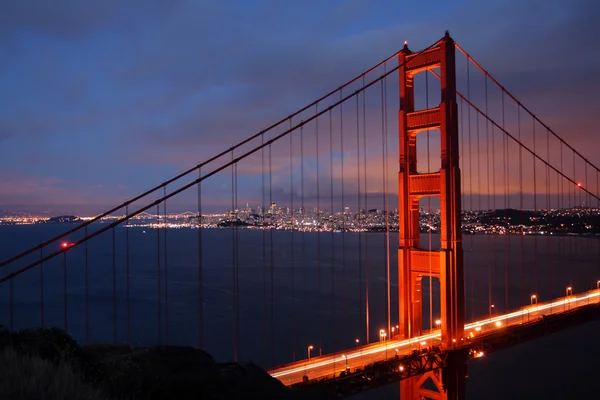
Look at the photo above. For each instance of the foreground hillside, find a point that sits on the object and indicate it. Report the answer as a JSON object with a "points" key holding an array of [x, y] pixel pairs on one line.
{"points": [[49, 364]]}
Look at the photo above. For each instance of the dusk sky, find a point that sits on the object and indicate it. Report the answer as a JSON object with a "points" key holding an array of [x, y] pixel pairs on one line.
{"points": [[101, 100]]}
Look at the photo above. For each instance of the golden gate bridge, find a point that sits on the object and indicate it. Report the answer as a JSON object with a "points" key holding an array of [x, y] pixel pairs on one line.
{"points": [[427, 130]]}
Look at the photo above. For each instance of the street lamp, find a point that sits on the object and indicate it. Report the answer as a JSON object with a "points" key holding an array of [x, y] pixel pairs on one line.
{"points": [[598, 285], [533, 298], [569, 291], [438, 322], [356, 343], [491, 310], [309, 349], [393, 329]]}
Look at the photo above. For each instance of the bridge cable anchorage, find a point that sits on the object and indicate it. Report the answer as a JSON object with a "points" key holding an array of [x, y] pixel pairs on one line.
{"points": [[319, 289], [158, 276], [166, 268], [127, 285], [365, 188], [200, 265], [114, 284], [292, 244], [215, 171]]}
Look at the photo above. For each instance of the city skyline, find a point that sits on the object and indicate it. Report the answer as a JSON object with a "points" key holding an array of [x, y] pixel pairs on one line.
{"points": [[100, 104]]}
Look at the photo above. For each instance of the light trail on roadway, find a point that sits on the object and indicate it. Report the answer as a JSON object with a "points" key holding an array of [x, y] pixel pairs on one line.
{"points": [[333, 364]]}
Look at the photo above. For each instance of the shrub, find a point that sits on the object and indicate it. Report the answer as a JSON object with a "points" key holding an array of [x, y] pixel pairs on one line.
{"points": [[29, 377]]}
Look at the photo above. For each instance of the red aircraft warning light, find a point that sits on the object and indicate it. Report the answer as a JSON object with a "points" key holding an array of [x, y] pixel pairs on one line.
{"points": [[578, 184], [64, 245]]}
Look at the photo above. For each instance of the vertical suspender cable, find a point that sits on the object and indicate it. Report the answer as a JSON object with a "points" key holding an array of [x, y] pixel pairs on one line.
{"points": [[127, 284], [66, 325], [367, 210], [461, 161], [521, 239], [87, 289], [535, 233], [237, 265], [11, 305], [489, 194], [549, 259], [319, 225], [344, 216], [506, 206], [264, 254], [429, 221], [166, 227], [302, 211], [293, 255], [560, 183], [271, 261], [200, 267], [114, 284], [232, 215], [385, 203], [479, 188], [471, 264], [358, 216], [332, 228], [42, 289], [158, 275]]}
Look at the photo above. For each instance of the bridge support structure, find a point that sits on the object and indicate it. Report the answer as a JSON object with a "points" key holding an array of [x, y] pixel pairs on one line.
{"points": [[446, 264]]}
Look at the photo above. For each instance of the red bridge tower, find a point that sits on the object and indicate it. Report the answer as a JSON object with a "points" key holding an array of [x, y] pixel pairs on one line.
{"points": [[414, 262]]}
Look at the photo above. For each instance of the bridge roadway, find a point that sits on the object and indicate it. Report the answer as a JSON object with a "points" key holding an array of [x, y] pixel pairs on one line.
{"points": [[330, 365]]}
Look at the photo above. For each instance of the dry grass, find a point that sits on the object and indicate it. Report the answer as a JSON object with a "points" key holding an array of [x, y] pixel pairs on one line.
{"points": [[25, 377]]}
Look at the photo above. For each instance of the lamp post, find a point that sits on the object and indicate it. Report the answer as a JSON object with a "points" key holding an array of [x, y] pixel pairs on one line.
{"points": [[492, 310], [569, 292], [533, 299], [356, 340], [308, 351]]}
